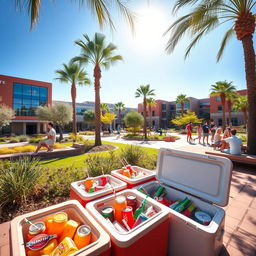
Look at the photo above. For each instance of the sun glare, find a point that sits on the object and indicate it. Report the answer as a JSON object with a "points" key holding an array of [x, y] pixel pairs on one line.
{"points": [[151, 23]]}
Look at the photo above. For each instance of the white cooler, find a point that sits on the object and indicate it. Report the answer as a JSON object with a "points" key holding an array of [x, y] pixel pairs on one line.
{"points": [[205, 180]]}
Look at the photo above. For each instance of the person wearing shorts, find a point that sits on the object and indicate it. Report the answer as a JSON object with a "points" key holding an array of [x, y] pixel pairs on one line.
{"points": [[206, 130], [212, 129], [51, 139], [189, 132]]}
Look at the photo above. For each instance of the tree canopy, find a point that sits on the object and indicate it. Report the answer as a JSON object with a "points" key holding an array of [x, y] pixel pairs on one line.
{"points": [[6, 115], [189, 116], [133, 119]]}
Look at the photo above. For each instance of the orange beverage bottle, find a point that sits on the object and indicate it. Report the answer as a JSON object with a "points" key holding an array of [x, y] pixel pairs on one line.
{"points": [[32, 253], [52, 244], [88, 183], [69, 230], [83, 236], [127, 173], [57, 224], [119, 204]]}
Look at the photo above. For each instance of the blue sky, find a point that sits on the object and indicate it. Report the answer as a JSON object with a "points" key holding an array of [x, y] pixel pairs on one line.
{"points": [[37, 54]]}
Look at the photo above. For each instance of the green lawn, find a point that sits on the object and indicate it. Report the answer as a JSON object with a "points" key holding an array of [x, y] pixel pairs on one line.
{"points": [[78, 161]]}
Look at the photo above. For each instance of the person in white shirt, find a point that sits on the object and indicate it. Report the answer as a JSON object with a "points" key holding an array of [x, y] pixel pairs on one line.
{"points": [[235, 144], [51, 139]]}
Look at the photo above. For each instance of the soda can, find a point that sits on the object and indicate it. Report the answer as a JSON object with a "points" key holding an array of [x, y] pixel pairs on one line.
{"points": [[33, 231], [160, 190], [132, 201], [108, 213], [83, 236], [127, 215], [203, 218], [141, 218], [102, 181]]}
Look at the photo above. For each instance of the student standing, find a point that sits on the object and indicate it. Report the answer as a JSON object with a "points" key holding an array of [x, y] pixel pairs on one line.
{"points": [[206, 131]]}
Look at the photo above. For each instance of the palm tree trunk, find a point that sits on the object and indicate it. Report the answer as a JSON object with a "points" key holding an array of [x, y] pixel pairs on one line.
{"points": [[73, 96], [150, 117], [61, 132], [223, 100], [249, 57], [145, 118], [97, 76], [229, 118]]}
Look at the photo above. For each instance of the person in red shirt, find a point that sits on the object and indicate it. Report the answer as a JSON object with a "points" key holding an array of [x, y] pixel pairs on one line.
{"points": [[189, 128]]}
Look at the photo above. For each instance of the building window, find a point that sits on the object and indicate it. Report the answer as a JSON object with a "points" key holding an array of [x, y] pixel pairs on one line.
{"points": [[163, 106], [26, 98], [217, 98], [220, 122], [219, 108], [234, 121], [187, 105], [172, 107], [163, 114], [153, 113]]}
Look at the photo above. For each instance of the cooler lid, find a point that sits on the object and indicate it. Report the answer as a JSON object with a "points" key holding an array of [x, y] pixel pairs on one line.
{"points": [[205, 176]]}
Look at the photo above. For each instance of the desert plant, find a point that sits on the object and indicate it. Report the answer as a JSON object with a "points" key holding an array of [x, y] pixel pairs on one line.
{"points": [[23, 138], [18, 180], [14, 140], [98, 163], [133, 154]]}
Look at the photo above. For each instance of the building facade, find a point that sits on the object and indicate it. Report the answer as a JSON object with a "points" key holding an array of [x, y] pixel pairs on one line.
{"points": [[207, 108], [24, 96], [237, 118], [90, 105]]}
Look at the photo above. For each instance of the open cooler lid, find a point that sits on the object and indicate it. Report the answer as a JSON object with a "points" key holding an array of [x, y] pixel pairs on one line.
{"points": [[204, 176]]}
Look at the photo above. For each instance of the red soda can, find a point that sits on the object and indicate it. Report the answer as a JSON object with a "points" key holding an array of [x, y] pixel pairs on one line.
{"points": [[127, 216], [102, 181], [132, 201]]}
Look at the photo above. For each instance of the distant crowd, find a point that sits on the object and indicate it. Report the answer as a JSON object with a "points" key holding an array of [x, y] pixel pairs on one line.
{"points": [[227, 142]]}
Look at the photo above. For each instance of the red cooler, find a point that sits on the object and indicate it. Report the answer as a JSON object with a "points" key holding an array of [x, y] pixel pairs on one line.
{"points": [[133, 182], [78, 192], [204, 180], [148, 238], [99, 241]]}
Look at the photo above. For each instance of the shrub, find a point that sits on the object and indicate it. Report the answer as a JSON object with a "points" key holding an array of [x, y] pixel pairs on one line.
{"points": [[133, 120], [87, 133], [96, 163], [3, 139], [22, 138], [56, 182], [23, 149], [13, 140], [18, 180], [35, 140], [243, 138], [132, 154]]}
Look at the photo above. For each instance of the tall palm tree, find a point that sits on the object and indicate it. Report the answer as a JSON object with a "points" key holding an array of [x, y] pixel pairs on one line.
{"points": [[74, 74], [241, 105], [119, 107], [102, 9], [104, 108], [145, 92], [99, 54], [208, 15], [182, 99], [222, 89], [151, 103], [230, 99]]}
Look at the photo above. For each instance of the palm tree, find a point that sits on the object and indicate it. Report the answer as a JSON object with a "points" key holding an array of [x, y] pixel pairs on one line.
{"points": [[100, 55], [73, 73], [222, 89], [208, 15], [182, 99], [104, 108], [230, 99], [145, 92], [241, 105], [102, 9], [119, 107], [151, 103]]}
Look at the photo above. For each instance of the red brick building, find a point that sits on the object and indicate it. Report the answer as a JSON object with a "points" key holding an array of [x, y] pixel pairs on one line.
{"points": [[24, 96]]}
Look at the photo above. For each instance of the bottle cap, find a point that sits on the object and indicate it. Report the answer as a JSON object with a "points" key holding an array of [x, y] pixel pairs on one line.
{"points": [[60, 217]]}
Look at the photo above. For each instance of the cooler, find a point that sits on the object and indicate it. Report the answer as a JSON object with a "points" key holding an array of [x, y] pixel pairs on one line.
{"points": [[78, 193], [100, 244], [141, 240], [149, 175], [205, 180]]}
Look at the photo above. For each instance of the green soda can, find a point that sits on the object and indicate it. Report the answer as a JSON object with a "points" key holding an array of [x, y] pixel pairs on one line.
{"points": [[183, 205], [160, 190], [108, 213], [91, 190], [141, 209]]}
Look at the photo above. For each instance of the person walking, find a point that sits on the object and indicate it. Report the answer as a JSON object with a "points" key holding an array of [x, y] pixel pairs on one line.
{"points": [[199, 131], [189, 128], [213, 128], [49, 142]]}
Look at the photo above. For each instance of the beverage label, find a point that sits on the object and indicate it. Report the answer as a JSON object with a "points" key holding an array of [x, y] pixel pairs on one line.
{"points": [[40, 241]]}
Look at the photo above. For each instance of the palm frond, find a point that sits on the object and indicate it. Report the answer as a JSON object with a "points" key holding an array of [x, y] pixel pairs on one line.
{"points": [[224, 42]]}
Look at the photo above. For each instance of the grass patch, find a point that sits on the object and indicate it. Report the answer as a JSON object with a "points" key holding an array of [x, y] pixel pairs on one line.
{"points": [[78, 162]]}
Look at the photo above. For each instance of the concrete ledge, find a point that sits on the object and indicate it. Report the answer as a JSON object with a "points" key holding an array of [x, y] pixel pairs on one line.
{"points": [[246, 159], [63, 152]]}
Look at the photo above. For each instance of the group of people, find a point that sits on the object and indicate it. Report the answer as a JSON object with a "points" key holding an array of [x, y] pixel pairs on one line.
{"points": [[227, 143]]}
